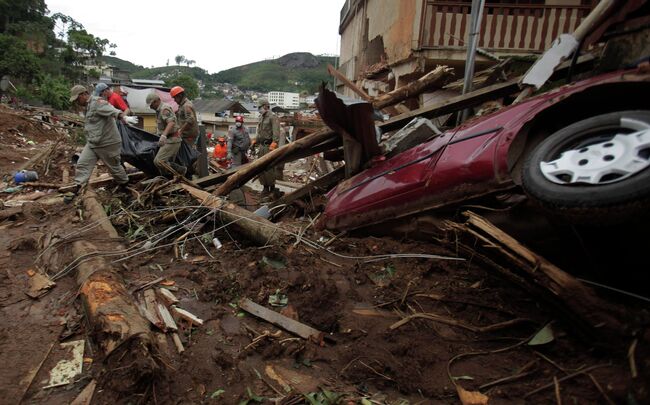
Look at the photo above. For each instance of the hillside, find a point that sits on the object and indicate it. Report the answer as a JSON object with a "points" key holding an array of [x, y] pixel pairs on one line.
{"points": [[292, 72], [121, 64], [297, 72]]}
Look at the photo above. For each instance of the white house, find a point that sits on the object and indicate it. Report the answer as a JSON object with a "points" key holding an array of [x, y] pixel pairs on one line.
{"points": [[284, 99]]}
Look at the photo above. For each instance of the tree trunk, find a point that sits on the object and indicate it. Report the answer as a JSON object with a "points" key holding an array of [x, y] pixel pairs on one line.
{"points": [[257, 229], [436, 77], [274, 158], [121, 332]]}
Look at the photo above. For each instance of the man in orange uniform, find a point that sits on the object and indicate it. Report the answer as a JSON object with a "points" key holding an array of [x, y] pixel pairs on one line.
{"points": [[221, 153]]}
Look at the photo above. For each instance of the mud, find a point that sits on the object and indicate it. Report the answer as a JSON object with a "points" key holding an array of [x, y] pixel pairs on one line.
{"points": [[235, 357]]}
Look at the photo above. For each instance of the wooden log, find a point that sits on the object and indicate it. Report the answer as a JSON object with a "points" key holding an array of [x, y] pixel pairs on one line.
{"points": [[318, 186], [121, 332], [286, 323], [101, 181], [273, 158], [188, 316], [254, 227], [592, 316], [436, 77]]}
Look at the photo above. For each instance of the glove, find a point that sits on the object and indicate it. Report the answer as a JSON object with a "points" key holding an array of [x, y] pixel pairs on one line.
{"points": [[162, 140], [132, 120]]}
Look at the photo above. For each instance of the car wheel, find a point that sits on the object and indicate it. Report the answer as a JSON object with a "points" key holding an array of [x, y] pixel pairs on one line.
{"points": [[595, 170]]}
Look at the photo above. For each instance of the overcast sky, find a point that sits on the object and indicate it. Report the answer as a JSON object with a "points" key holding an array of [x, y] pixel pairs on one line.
{"points": [[218, 35]]}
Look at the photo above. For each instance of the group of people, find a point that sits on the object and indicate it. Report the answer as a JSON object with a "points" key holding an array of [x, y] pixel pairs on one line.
{"points": [[102, 109]]}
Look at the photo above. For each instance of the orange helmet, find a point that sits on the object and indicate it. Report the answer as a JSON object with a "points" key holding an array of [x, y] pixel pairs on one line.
{"points": [[239, 118], [176, 90]]}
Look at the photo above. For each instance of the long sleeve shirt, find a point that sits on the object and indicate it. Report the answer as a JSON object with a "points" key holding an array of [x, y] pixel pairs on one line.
{"points": [[100, 127]]}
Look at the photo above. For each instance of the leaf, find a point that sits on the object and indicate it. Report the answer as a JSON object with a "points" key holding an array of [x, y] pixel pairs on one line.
{"points": [[544, 336], [390, 270], [471, 397], [365, 401], [217, 393], [463, 377]]}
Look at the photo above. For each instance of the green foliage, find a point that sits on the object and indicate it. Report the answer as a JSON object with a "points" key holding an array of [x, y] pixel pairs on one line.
{"points": [[185, 81], [16, 60], [121, 64], [272, 75], [55, 91]]}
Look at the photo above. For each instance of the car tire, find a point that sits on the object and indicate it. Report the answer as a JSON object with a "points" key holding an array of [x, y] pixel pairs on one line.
{"points": [[559, 172]]}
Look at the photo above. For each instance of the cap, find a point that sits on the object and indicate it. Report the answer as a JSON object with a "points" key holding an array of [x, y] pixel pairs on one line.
{"points": [[151, 97], [99, 88], [76, 91]]}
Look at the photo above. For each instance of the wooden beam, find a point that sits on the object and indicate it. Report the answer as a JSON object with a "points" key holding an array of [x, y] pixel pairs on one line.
{"points": [[286, 323], [250, 225], [104, 180], [454, 104], [317, 186], [438, 76], [274, 158], [335, 73]]}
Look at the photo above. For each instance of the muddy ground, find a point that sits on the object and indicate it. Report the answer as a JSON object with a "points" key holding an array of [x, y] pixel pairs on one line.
{"points": [[345, 294]]}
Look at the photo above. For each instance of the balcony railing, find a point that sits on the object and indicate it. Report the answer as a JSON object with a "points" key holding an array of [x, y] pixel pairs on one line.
{"points": [[504, 27]]}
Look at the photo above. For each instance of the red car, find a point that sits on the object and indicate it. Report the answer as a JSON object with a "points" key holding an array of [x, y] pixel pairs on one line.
{"points": [[581, 151]]}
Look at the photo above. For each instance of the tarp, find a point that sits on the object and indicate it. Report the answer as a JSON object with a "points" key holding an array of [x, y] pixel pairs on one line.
{"points": [[140, 147]]}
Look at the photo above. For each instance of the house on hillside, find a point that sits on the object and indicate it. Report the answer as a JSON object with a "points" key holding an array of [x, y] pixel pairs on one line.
{"points": [[218, 115], [398, 41]]}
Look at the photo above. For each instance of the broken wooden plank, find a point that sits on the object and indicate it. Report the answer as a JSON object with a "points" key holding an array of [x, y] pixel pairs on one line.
{"points": [[166, 317], [86, 395], [252, 226], [103, 180], [454, 104], [188, 316], [437, 76], [167, 296], [286, 323], [340, 76], [178, 343], [319, 186], [151, 306], [592, 316]]}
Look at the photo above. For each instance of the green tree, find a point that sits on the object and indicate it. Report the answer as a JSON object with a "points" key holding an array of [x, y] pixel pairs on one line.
{"points": [[16, 60], [55, 91], [185, 81], [179, 59]]}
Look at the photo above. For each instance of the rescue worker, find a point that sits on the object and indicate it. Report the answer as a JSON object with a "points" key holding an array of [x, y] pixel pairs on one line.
{"points": [[185, 116], [220, 153], [166, 128], [239, 141], [79, 98], [268, 132], [116, 100], [103, 140]]}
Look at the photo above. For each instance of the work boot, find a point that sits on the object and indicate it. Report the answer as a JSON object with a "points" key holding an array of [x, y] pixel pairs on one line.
{"points": [[70, 195], [266, 194]]}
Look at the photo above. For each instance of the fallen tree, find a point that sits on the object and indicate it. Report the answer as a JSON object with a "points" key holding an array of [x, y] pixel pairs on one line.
{"points": [[257, 229], [121, 332]]}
